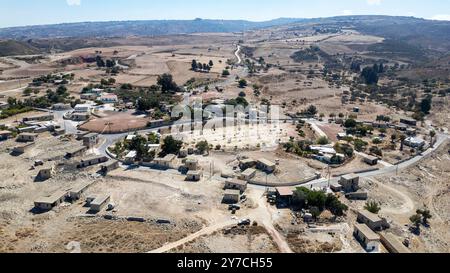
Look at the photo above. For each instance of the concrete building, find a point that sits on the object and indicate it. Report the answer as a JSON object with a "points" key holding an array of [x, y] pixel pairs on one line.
{"points": [[371, 160], [44, 117], [99, 203], [194, 175], [392, 244], [236, 184], [284, 195], [4, 135], [266, 165], [369, 239], [349, 182], [373, 221], [76, 152], [248, 174], [92, 160], [50, 202], [46, 171], [61, 107], [109, 98], [247, 163], [20, 149], [357, 195], [109, 166], [77, 192], [169, 161], [192, 164], [231, 196], [408, 121], [59, 132], [80, 116], [415, 142], [27, 137], [82, 108], [90, 140]]}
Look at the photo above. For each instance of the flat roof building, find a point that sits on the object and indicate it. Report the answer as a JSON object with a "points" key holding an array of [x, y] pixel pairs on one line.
{"points": [[90, 140], [266, 165], [194, 175], [5, 134], [236, 184], [369, 239], [191, 164], [248, 174], [77, 192], [349, 182], [392, 244], [372, 220], [50, 202], [168, 161], [99, 203], [92, 160], [369, 159], [231, 196], [27, 137]]}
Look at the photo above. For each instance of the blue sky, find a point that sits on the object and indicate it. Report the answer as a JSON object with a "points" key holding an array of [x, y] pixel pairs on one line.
{"points": [[36, 12]]}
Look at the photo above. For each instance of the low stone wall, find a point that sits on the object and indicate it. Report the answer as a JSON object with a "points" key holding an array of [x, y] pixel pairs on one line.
{"points": [[284, 184]]}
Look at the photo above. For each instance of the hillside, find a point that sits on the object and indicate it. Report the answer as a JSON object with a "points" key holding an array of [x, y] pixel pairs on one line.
{"points": [[136, 28], [11, 47]]}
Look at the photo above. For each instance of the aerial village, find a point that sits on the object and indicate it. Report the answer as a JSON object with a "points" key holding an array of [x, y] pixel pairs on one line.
{"points": [[86, 145]]}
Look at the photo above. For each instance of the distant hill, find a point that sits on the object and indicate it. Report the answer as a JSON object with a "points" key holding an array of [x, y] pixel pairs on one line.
{"points": [[11, 47], [427, 34], [136, 28]]}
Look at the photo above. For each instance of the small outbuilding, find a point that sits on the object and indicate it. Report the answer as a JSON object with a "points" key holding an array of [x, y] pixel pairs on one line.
{"points": [[77, 192], [90, 161], [4, 135], [27, 137], [373, 221], [109, 166], [369, 239], [76, 152], [231, 196], [248, 174], [46, 171], [90, 140], [284, 195], [349, 182], [392, 244], [50, 202], [99, 203], [266, 165], [371, 160], [169, 161], [191, 164], [194, 175], [236, 184]]}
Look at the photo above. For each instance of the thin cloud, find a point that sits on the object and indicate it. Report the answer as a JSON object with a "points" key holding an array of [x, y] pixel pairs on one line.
{"points": [[441, 17], [374, 2], [347, 12], [73, 2]]}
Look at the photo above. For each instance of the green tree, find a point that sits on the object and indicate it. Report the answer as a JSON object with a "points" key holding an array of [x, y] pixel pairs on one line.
{"points": [[194, 65], [202, 147], [171, 146], [167, 84], [372, 207], [311, 110], [242, 83], [425, 105], [323, 140], [225, 73]]}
